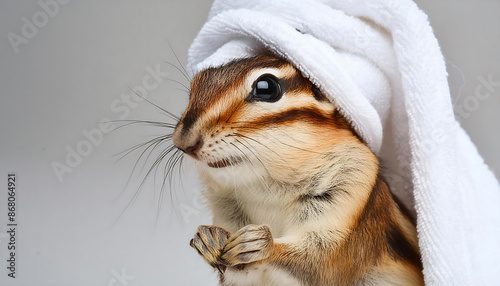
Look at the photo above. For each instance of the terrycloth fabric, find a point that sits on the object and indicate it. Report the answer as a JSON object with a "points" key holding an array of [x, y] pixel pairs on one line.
{"points": [[379, 62]]}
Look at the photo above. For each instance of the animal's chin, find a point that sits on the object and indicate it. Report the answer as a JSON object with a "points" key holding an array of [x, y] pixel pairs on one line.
{"points": [[232, 172], [225, 162]]}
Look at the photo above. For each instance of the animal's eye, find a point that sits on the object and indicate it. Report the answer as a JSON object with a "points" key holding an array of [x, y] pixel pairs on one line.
{"points": [[266, 88]]}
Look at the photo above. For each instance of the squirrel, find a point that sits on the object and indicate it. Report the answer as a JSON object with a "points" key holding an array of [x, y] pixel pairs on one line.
{"points": [[297, 197]]}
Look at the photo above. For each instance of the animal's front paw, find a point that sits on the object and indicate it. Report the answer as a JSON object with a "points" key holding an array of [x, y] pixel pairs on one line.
{"points": [[209, 241], [250, 244]]}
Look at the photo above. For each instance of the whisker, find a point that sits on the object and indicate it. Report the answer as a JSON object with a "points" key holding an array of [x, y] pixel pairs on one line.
{"points": [[256, 141], [186, 89], [180, 89], [180, 171], [154, 145], [279, 141], [151, 152], [173, 116], [255, 155], [250, 162], [179, 70], [298, 148], [185, 73], [145, 122], [169, 165], [140, 188], [152, 141]]}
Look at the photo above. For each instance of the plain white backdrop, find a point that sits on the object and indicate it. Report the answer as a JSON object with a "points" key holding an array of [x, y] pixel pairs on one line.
{"points": [[67, 79]]}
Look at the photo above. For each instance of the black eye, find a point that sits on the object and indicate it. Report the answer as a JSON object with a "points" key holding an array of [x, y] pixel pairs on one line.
{"points": [[266, 88]]}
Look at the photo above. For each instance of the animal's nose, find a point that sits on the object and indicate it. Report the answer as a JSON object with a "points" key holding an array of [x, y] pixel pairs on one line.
{"points": [[193, 149], [190, 147]]}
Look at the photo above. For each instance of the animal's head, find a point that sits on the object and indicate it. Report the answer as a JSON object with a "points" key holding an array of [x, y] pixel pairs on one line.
{"points": [[259, 117]]}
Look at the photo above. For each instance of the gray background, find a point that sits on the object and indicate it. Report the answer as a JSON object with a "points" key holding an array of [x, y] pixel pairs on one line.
{"points": [[78, 68]]}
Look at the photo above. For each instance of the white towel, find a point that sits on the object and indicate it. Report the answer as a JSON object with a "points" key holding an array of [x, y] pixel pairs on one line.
{"points": [[380, 63]]}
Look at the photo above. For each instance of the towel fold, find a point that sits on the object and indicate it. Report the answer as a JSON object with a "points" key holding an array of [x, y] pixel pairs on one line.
{"points": [[380, 63]]}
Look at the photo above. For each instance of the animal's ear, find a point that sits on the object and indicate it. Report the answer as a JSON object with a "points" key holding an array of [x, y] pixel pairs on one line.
{"points": [[318, 94]]}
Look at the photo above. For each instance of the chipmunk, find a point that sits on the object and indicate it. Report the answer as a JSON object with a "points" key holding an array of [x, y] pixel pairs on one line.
{"points": [[297, 197]]}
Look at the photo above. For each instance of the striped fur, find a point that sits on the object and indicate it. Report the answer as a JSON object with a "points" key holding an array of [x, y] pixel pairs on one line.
{"points": [[297, 197]]}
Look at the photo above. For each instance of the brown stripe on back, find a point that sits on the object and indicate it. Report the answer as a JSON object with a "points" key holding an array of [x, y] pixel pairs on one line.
{"points": [[380, 220]]}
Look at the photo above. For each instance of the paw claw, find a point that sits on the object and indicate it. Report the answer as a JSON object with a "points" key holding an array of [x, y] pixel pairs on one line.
{"points": [[209, 242], [250, 244]]}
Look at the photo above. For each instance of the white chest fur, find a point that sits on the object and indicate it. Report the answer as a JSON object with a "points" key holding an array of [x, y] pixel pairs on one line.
{"points": [[259, 201], [268, 209]]}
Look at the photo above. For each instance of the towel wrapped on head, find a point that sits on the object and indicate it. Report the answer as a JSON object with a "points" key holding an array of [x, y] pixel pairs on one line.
{"points": [[380, 63]]}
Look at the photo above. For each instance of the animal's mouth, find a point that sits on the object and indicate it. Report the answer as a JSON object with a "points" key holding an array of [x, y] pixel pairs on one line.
{"points": [[225, 162]]}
